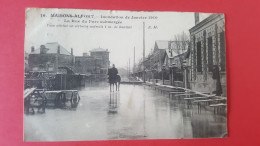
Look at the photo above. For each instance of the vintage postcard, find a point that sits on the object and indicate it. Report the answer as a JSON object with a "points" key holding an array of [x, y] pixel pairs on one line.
{"points": [[116, 75]]}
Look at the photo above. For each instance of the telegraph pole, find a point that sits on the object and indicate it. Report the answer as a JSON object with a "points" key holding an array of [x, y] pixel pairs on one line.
{"points": [[143, 51], [134, 61], [129, 68], [127, 72]]}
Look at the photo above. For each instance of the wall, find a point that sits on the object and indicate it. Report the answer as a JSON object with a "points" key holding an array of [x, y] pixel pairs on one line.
{"points": [[202, 80], [84, 64], [39, 61], [103, 56]]}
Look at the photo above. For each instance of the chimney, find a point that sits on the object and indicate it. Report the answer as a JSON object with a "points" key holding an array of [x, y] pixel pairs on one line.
{"points": [[197, 18], [71, 51], [32, 49], [58, 51], [85, 54], [42, 49]]}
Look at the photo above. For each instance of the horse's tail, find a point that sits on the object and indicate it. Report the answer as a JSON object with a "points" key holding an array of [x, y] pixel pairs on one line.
{"points": [[118, 78]]}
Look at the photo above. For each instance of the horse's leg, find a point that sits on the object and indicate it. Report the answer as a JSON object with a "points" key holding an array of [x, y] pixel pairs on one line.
{"points": [[110, 99], [118, 85], [110, 86], [113, 87]]}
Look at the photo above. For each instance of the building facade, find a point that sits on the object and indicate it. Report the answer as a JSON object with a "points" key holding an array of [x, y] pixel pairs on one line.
{"points": [[175, 54], [207, 49], [84, 64], [50, 57], [102, 57], [157, 58], [152, 65], [174, 64], [97, 63]]}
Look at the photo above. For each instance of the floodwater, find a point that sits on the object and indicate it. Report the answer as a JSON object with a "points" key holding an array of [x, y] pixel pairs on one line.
{"points": [[134, 112]]}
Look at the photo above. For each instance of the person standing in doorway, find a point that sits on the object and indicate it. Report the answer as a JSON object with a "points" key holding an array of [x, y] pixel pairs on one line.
{"points": [[216, 76]]}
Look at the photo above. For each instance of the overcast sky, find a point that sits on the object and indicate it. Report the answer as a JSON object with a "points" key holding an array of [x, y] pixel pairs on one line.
{"points": [[120, 42]]}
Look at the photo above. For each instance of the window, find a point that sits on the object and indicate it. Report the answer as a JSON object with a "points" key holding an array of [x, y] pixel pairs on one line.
{"points": [[222, 51], [204, 52], [210, 54], [50, 67], [35, 69], [199, 65], [194, 58], [216, 37]]}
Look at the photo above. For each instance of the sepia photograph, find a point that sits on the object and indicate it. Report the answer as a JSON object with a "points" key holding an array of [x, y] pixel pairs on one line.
{"points": [[123, 75]]}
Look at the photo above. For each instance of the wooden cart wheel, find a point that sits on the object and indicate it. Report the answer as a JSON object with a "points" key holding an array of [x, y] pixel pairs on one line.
{"points": [[74, 100]]}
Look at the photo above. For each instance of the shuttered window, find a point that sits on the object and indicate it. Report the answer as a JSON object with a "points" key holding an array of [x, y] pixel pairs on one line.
{"points": [[210, 54], [222, 51], [199, 65]]}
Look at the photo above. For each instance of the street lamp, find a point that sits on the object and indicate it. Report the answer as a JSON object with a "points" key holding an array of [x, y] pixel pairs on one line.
{"points": [[185, 66], [145, 73], [163, 69], [153, 72], [48, 67], [172, 68]]}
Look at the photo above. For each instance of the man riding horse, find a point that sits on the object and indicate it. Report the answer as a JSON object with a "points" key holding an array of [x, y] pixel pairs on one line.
{"points": [[113, 77]]}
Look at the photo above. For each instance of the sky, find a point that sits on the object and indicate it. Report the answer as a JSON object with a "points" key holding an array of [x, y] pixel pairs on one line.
{"points": [[120, 42]]}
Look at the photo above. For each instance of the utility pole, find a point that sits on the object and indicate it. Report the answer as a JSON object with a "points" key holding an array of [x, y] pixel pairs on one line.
{"points": [[134, 61], [127, 72], [129, 67], [143, 51]]}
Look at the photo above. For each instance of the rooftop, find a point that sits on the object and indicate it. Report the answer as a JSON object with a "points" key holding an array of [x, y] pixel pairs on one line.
{"points": [[205, 21], [52, 48], [98, 50]]}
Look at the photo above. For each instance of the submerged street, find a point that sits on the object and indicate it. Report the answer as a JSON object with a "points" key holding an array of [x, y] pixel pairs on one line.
{"points": [[134, 112]]}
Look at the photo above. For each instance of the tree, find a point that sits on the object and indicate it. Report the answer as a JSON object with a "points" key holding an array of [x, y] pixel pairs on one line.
{"points": [[180, 46], [181, 42]]}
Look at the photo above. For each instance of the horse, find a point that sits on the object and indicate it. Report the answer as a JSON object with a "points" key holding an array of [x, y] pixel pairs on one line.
{"points": [[118, 81], [114, 80]]}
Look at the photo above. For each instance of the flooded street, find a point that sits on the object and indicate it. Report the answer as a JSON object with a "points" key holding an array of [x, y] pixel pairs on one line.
{"points": [[134, 112]]}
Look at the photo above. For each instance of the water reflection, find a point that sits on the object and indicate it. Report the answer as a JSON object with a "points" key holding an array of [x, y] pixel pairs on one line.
{"points": [[133, 113], [114, 100]]}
